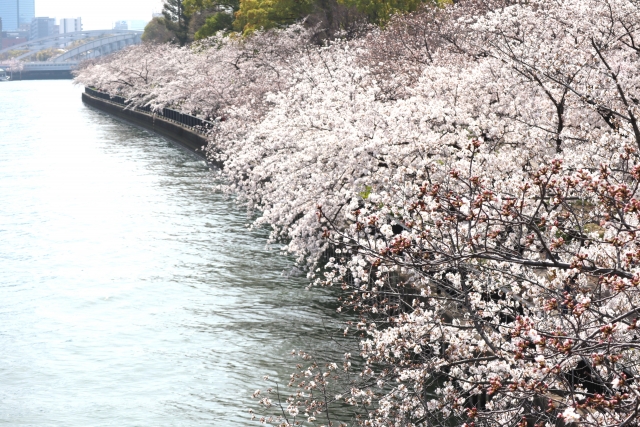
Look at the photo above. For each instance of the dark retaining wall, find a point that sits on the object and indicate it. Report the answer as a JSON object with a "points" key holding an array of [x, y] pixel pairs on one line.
{"points": [[175, 131]]}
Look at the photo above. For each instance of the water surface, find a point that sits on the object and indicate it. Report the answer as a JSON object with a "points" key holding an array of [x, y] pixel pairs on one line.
{"points": [[131, 294]]}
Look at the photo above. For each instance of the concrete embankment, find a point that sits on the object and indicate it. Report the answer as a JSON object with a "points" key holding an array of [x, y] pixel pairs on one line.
{"points": [[183, 135]]}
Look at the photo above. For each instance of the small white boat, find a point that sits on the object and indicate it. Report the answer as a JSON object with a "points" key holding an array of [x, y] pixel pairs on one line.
{"points": [[3, 75]]}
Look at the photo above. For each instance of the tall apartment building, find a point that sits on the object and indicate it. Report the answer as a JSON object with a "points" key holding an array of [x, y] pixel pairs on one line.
{"points": [[70, 25], [17, 14], [42, 27]]}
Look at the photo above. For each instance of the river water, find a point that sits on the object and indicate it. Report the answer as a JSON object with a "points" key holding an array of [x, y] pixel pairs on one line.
{"points": [[131, 293]]}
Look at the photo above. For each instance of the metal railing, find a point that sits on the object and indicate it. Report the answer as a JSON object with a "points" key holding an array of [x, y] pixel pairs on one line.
{"points": [[194, 123]]}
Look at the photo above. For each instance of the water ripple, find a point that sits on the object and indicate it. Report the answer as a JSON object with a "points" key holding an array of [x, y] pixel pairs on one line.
{"points": [[130, 294]]}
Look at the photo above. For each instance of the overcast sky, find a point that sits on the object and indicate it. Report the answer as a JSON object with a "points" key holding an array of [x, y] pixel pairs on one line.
{"points": [[98, 14]]}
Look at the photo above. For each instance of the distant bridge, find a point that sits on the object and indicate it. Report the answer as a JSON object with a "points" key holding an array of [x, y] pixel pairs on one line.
{"points": [[100, 47], [96, 43]]}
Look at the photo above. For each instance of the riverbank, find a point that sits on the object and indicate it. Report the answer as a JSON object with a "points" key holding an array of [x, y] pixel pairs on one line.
{"points": [[180, 133]]}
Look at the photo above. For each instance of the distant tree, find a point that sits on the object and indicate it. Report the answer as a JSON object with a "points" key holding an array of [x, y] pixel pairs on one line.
{"points": [[331, 18], [380, 11], [45, 55], [245, 16], [12, 54], [220, 21], [176, 20], [265, 14], [331, 15], [210, 16], [156, 32], [200, 6]]}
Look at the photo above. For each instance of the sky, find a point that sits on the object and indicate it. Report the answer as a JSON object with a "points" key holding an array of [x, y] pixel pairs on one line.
{"points": [[98, 14]]}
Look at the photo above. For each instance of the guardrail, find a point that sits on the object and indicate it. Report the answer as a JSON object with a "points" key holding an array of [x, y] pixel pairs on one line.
{"points": [[194, 123]]}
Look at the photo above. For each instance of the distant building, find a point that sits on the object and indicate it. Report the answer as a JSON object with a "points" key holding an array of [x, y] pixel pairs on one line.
{"points": [[131, 24], [9, 15], [70, 25], [42, 27], [121, 25], [137, 25], [26, 13], [16, 14], [14, 35], [9, 39]]}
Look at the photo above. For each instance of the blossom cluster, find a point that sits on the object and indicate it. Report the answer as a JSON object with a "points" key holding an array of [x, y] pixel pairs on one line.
{"points": [[468, 177]]}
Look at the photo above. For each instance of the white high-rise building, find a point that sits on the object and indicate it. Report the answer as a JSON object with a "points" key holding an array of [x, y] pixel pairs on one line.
{"points": [[70, 25]]}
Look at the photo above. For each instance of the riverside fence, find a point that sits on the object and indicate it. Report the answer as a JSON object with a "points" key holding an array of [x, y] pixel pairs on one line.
{"points": [[194, 123]]}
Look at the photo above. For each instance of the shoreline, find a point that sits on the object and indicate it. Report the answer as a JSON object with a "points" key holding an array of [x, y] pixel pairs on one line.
{"points": [[185, 137]]}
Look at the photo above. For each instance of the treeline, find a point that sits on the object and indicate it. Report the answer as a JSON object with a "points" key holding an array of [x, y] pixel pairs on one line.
{"points": [[184, 21]]}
